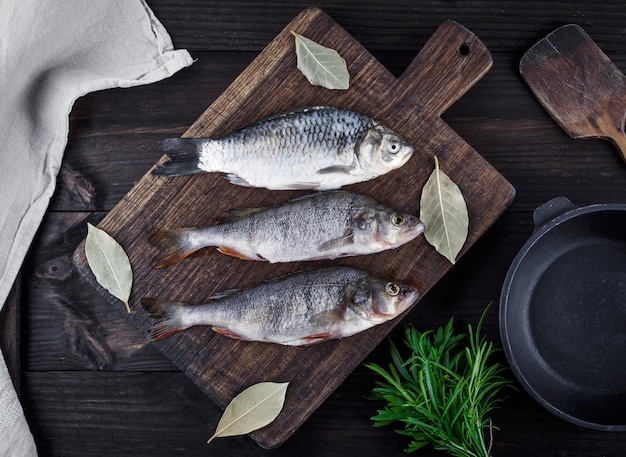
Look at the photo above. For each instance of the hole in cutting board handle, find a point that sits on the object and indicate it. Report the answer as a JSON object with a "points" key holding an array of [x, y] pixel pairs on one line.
{"points": [[464, 49]]}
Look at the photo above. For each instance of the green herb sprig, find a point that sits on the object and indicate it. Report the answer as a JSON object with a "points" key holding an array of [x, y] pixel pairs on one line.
{"points": [[443, 391]]}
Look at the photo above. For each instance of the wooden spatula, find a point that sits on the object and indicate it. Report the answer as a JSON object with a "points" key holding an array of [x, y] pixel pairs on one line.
{"points": [[578, 85]]}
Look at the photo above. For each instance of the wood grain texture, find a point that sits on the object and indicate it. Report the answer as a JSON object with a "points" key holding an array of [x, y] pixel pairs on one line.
{"points": [[380, 26], [578, 85], [147, 414], [74, 333], [123, 407], [115, 133], [448, 65]]}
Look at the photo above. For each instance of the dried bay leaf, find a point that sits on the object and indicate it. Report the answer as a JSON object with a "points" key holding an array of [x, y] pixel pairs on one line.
{"points": [[322, 66], [109, 263], [255, 407], [444, 213]]}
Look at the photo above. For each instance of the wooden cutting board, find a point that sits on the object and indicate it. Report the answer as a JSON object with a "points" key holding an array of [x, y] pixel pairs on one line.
{"points": [[448, 65]]}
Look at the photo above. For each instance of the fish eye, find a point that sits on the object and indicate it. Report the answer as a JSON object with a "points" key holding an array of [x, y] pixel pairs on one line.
{"points": [[392, 288], [393, 147], [397, 219]]}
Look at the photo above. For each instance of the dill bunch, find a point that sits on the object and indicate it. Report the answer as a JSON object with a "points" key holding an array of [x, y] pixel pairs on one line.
{"points": [[443, 391]]}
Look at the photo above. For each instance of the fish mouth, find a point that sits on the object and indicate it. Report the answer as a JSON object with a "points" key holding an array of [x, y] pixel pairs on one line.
{"points": [[407, 155], [403, 233], [409, 234], [408, 297], [418, 227]]}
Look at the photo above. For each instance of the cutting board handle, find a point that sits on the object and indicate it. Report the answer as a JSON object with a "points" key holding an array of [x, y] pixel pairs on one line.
{"points": [[451, 62]]}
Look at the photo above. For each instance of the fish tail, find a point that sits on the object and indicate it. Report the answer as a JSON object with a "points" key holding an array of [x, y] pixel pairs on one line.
{"points": [[167, 317], [174, 246], [184, 156]]}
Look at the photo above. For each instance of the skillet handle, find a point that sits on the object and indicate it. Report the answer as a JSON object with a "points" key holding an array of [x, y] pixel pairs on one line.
{"points": [[551, 209]]}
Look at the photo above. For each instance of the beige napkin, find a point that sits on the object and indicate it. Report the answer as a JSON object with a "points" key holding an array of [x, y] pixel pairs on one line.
{"points": [[51, 53]]}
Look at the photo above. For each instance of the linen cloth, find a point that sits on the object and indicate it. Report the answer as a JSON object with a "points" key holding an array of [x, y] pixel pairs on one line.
{"points": [[51, 53]]}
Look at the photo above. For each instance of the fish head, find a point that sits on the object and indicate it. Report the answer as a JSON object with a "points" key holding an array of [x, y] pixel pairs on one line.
{"points": [[382, 150], [377, 300], [382, 228], [394, 229]]}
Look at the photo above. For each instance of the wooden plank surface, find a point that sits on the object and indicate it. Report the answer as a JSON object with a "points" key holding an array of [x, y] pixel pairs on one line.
{"points": [[119, 396], [449, 64]]}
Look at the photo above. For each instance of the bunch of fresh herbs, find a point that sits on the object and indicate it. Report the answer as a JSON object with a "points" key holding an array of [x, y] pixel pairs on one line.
{"points": [[443, 391]]}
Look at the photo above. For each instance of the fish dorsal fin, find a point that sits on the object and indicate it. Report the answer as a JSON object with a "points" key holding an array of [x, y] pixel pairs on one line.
{"points": [[240, 213], [317, 194], [223, 293], [306, 197]]}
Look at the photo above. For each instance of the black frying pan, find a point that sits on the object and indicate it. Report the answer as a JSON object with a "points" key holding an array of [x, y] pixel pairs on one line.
{"points": [[563, 313]]}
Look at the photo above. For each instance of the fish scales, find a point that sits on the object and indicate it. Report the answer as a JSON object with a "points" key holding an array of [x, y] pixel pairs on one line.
{"points": [[300, 309], [281, 306], [312, 148], [328, 133], [325, 225]]}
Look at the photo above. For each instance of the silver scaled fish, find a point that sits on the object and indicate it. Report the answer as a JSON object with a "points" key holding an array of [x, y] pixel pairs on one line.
{"points": [[317, 148], [299, 309], [324, 225]]}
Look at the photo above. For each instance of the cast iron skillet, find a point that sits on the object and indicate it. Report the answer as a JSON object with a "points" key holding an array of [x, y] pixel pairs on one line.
{"points": [[563, 313]]}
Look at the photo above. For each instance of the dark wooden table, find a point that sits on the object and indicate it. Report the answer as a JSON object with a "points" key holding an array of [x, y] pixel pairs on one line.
{"points": [[89, 382]]}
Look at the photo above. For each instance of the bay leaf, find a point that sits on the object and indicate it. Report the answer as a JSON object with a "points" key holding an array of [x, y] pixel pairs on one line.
{"points": [[109, 263], [322, 66], [255, 407], [444, 213]]}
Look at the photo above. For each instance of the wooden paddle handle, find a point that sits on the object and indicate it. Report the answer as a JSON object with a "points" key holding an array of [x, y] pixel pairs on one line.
{"points": [[609, 123], [610, 115], [451, 62], [616, 116]]}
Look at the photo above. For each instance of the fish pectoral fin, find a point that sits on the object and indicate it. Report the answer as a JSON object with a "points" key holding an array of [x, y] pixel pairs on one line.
{"points": [[346, 169], [235, 253], [228, 333], [356, 301], [317, 338], [357, 308], [338, 243]]}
